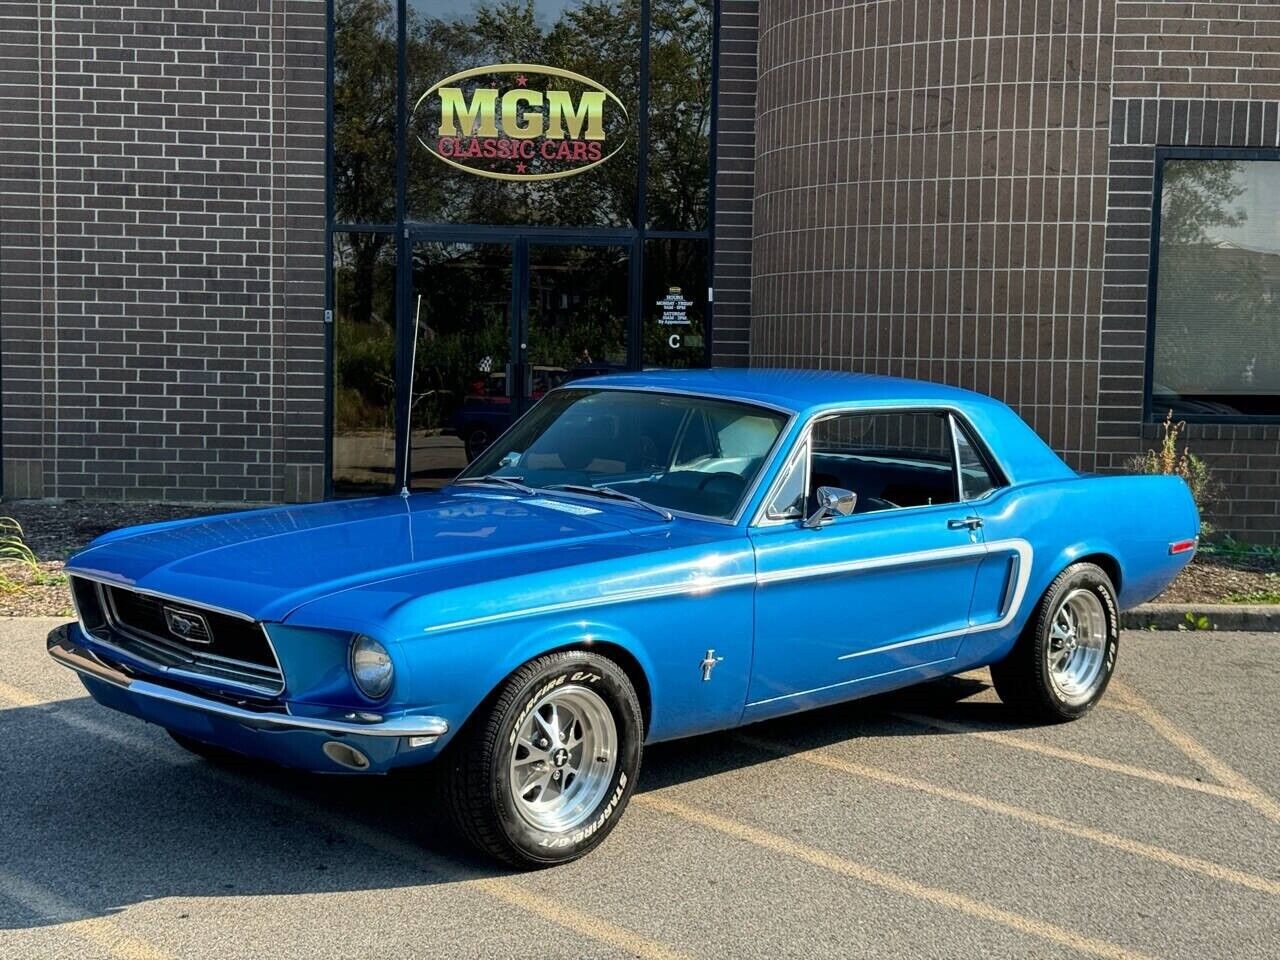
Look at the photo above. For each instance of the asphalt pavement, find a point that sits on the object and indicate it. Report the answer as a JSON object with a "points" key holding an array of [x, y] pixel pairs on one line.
{"points": [[926, 823]]}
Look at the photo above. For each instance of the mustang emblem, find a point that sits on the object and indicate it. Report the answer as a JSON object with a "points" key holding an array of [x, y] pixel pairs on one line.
{"points": [[187, 625]]}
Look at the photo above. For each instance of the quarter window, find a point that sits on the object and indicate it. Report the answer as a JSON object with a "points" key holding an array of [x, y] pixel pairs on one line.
{"points": [[1215, 344], [976, 480]]}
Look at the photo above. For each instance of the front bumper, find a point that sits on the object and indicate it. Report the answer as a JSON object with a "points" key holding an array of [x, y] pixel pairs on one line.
{"points": [[283, 737]]}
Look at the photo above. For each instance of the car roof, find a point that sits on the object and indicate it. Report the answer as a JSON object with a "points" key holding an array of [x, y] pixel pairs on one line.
{"points": [[795, 391], [1022, 455]]}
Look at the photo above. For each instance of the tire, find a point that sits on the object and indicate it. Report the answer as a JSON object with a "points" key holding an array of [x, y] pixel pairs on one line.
{"points": [[1062, 663], [516, 796]]}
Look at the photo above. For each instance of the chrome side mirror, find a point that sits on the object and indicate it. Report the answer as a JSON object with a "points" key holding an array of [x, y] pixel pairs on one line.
{"points": [[832, 502]]}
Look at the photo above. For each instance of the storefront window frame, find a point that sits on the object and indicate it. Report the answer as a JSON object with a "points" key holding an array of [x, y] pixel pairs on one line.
{"points": [[407, 231], [1154, 412]]}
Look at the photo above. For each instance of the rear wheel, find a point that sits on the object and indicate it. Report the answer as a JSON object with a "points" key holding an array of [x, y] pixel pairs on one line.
{"points": [[1063, 661], [544, 773]]}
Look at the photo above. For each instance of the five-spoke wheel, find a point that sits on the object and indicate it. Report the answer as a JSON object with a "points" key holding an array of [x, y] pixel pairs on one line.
{"points": [[1063, 661], [564, 757], [541, 774]]}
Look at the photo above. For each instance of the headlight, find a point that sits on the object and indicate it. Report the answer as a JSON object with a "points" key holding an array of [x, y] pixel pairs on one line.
{"points": [[371, 666]]}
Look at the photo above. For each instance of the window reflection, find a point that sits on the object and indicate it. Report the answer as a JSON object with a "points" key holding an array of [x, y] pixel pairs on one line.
{"points": [[1215, 349], [498, 114], [679, 151], [363, 362], [364, 111]]}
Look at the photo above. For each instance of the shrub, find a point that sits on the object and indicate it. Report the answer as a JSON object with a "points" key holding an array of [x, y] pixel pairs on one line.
{"points": [[1174, 457]]}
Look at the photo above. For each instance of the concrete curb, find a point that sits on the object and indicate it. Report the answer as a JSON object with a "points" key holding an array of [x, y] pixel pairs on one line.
{"points": [[1188, 616]]}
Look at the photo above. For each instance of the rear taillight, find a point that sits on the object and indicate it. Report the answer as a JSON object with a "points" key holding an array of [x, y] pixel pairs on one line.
{"points": [[1182, 546]]}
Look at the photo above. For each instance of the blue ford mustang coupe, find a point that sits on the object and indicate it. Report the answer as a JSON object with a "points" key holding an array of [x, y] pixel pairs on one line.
{"points": [[640, 557]]}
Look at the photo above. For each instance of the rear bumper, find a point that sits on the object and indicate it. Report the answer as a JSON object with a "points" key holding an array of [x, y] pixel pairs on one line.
{"points": [[286, 738]]}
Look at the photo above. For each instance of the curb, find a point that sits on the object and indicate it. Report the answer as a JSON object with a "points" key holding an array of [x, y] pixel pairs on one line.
{"points": [[1218, 616]]}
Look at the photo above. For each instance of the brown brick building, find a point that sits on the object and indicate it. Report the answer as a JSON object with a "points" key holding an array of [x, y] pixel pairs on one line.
{"points": [[270, 250]]}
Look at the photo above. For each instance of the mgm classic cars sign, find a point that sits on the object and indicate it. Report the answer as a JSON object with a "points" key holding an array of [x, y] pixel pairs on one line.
{"points": [[520, 121]]}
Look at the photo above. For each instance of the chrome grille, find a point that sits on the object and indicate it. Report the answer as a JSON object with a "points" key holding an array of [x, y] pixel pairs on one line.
{"points": [[183, 639]]}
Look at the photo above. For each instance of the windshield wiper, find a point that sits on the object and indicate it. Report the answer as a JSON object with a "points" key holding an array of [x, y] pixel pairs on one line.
{"points": [[513, 482], [612, 494]]}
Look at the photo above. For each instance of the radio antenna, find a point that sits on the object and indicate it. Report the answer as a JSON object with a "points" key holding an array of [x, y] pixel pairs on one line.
{"points": [[408, 423]]}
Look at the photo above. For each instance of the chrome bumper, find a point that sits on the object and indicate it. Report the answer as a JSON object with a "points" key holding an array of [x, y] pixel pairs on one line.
{"points": [[82, 660]]}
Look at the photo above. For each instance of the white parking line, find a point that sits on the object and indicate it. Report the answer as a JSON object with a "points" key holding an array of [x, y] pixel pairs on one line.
{"points": [[1072, 756], [1197, 751], [102, 932], [499, 888], [874, 876], [1207, 868]]}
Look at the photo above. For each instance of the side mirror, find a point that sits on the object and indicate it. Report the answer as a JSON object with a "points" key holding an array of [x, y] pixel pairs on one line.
{"points": [[832, 502]]}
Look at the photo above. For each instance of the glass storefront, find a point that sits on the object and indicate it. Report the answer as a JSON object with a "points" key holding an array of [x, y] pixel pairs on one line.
{"points": [[520, 197]]}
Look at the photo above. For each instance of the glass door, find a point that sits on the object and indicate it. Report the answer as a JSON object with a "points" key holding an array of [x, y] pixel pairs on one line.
{"points": [[460, 309], [575, 320]]}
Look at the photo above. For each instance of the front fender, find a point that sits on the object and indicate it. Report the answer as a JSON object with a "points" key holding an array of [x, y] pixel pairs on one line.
{"points": [[452, 672]]}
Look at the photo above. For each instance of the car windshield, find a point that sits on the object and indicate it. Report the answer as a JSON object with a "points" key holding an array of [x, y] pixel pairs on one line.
{"points": [[690, 454]]}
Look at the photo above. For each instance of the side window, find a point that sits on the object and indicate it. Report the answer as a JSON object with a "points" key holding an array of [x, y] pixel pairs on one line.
{"points": [[789, 502], [889, 460], [976, 480]]}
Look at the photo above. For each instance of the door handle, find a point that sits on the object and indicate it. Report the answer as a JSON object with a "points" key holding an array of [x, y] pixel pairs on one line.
{"points": [[971, 523]]}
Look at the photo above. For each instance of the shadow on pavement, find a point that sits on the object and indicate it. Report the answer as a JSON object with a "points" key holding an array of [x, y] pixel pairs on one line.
{"points": [[104, 824]]}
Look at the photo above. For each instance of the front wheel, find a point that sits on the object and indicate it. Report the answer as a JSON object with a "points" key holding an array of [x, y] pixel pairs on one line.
{"points": [[543, 774], [1064, 659]]}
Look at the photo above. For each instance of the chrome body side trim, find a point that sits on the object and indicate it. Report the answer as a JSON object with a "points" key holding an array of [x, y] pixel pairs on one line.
{"points": [[1011, 600], [70, 654], [1014, 593], [845, 683], [691, 587]]}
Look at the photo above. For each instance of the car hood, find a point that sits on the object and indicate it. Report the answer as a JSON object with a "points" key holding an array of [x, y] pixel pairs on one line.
{"points": [[266, 563]]}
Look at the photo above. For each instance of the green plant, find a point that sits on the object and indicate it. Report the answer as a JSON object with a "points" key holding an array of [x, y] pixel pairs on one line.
{"points": [[1269, 593], [1174, 457], [1234, 549], [1195, 621], [14, 550]]}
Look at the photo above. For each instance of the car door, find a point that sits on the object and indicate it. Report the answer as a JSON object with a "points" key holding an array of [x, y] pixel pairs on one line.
{"points": [[860, 602]]}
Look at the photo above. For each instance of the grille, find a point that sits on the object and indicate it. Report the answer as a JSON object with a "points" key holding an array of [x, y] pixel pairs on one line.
{"points": [[181, 638]]}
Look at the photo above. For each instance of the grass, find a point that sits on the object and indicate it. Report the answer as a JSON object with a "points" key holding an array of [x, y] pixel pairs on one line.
{"points": [[14, 550]]}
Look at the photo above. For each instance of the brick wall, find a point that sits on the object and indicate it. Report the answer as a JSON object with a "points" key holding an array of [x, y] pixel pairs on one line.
{"points": [[931, 194], [162, 252], [735, 180], [962, 192], [1203, 74]]}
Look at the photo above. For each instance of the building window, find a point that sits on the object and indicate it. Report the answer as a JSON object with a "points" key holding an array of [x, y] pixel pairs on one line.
{"points": [[1215, 324]]}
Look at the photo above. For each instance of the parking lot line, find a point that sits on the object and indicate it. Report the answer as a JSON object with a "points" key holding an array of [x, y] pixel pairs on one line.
{"points": [[101, 932], [865, 873], [1196, 751], [499, 888], [1072, 756], [1149, 851], [594, 927]]}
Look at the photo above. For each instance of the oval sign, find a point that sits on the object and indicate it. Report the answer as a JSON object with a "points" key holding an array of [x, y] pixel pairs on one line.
{"points": [[520, 121]]}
